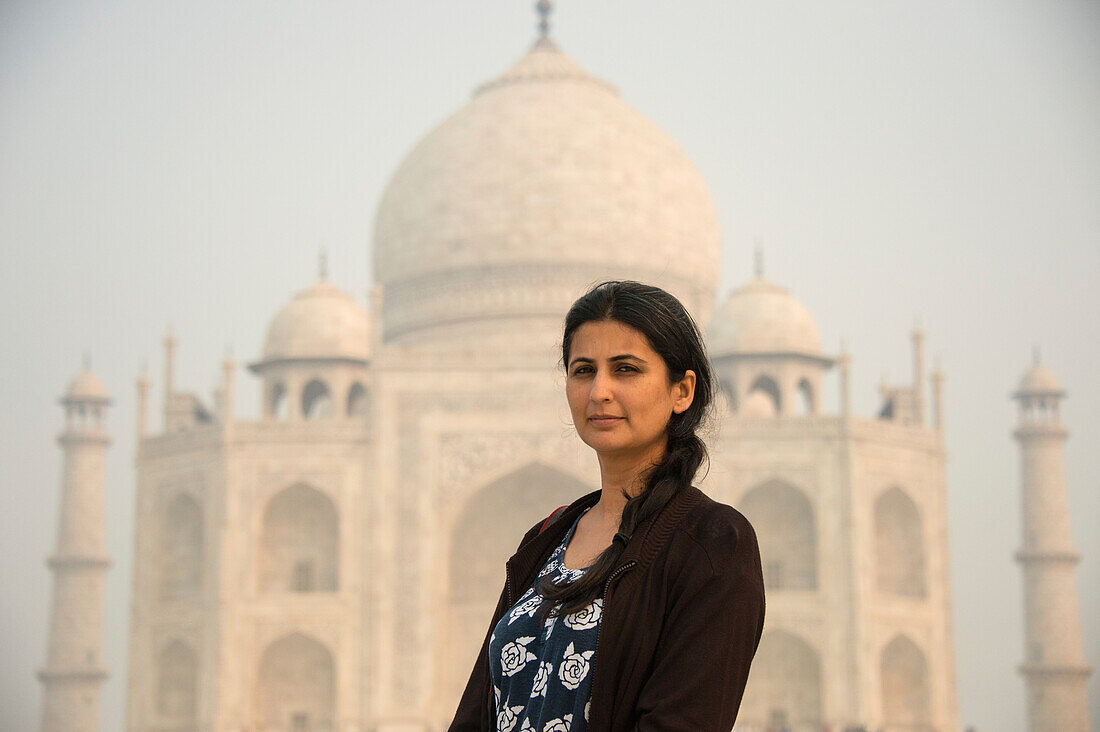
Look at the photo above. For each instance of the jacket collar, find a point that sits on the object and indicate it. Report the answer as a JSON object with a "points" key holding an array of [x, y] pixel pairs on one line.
{"points": [[648, 539]]}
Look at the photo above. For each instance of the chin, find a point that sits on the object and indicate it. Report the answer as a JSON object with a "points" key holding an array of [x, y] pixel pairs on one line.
{"points": [[606, 445]]}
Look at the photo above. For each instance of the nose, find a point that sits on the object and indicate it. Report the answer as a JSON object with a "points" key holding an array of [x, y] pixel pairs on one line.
{"points": [[601, 387]]}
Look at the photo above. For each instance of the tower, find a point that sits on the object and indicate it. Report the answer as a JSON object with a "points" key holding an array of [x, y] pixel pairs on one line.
{"points": [[74, 672], [1054, 668]]}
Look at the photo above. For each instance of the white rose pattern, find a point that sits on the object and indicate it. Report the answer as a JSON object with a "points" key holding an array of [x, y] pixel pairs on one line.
{"points": [[559, 725], [514, 656], [543, 675], [574, 667], [507, 718], [527, 607], [585, 618], [541, 671]]}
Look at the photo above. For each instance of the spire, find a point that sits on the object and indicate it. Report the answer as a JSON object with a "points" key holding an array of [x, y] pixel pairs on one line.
{"points": [[322, 265], [142, 399], [758, 261], [845, 367], [1035, 360], [918, 371], [87, 361], [544, 7], [169, 369]]}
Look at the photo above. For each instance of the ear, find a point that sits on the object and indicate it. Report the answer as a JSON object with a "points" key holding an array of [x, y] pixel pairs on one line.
{"points": [[684, 390]]}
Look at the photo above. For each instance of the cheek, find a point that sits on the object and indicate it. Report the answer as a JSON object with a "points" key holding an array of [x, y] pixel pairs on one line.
{"points": [[575, 398]]}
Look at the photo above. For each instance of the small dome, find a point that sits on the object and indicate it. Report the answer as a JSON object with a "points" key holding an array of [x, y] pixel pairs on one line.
{"points": [[1040, 379], [321, 321], [762, 317], [86, 386]]}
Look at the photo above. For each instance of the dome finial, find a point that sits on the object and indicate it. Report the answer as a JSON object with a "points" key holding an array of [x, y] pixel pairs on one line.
{"points": [[758, 260], [87, 361], [544, 7], [322, 265], [1035, 355]]}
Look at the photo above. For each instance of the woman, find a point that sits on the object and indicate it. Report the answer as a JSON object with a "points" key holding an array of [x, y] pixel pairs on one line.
{"points": [[638, 606]]}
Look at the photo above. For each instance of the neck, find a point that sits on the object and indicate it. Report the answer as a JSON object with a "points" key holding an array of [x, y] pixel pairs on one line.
{"points": [[619, 473]]}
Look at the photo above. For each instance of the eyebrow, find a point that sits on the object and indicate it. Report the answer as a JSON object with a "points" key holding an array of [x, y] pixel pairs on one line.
{"points": [[620, 357]]}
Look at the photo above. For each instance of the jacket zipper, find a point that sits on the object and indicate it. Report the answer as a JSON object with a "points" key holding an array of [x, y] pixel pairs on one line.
{"points": [[599, 629]]}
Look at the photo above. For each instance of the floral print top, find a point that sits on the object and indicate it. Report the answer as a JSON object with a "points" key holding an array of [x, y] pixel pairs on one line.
{"points": [[542, 674]]}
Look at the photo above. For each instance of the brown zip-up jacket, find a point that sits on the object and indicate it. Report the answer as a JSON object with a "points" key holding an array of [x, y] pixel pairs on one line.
{"points": [[682, 616]]}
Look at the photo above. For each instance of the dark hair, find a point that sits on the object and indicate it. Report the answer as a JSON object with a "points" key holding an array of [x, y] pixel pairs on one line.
{"points": [[673, 334]]}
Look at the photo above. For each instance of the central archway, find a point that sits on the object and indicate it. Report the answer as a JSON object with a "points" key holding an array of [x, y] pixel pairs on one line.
{"points": [[484, 535]]}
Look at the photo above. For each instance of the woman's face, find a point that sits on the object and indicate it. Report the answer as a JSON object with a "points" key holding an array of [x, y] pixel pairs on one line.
{"points": [[612, 370]]}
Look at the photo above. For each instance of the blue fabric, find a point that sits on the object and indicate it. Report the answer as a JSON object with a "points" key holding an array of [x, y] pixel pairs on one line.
{"points": [[541, 674]]}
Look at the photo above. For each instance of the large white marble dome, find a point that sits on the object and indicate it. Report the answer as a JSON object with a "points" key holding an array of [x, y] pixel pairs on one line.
{"points": [[544, 183]]}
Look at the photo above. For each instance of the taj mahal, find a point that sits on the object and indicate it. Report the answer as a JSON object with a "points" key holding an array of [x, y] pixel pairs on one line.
{"points": [[332, 564]]}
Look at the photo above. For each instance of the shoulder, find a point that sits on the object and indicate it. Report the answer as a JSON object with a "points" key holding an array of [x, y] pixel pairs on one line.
{"points": [[718, 532], [562, 515]]}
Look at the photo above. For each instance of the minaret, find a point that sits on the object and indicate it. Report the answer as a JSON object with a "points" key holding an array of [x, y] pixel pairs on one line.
{"points": [[74, 669], [1054, 669]]}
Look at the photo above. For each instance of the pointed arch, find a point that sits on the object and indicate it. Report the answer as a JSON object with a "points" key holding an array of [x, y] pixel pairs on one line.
{"points": [[483, 535], [906, 697], [497, 515], [278, 404], [766, 386], [784, 686], [296, 685], [806, 402], [357, 400], [177, 684], [899, 545], [785, 525], [316, 400], [181, 549], [300, 542]]}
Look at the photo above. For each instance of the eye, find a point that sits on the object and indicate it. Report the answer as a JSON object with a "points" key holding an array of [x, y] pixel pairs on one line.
{"points": [[628, 368]]}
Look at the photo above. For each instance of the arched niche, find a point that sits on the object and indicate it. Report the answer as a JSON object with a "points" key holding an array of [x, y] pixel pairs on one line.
{"points": [[357, 400], [784, 521], [906, 697], [300, 541], [806, 403], [899, 546], [316, 400], [483, 536], [489, 527], [784, 686], [296, 686], [181, 549], [278, 407], [764, 396], [177, 685]]}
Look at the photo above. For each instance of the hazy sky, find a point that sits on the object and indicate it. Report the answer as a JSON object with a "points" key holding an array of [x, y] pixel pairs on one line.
{"points": [[184, 162]]}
